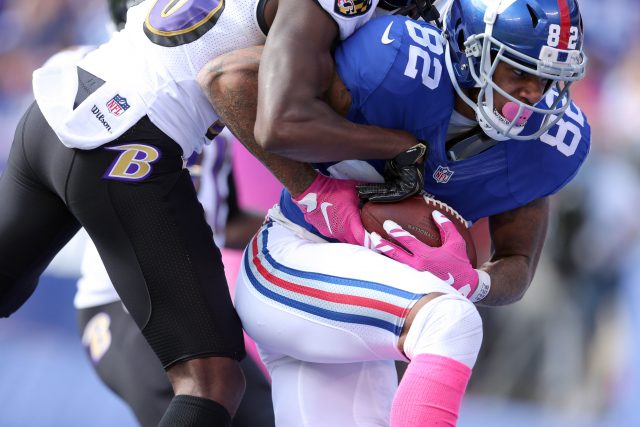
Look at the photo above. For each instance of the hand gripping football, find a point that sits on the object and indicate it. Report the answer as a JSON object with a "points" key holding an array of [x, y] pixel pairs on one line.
{"points": [[414, 215]]}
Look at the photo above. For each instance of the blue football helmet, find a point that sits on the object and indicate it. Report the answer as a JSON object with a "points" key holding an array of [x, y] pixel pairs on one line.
{"points": [[540, 37]]}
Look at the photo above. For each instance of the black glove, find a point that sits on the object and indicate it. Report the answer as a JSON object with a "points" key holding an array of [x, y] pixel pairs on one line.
{"points": [[402, 177], [414, 9]]}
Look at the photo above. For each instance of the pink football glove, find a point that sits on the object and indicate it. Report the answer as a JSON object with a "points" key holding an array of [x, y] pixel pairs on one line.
{"points": [[449, 262], [332, 206]]}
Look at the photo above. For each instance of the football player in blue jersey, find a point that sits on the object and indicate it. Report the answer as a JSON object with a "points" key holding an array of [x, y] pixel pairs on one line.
{"points": [[490, 95]]}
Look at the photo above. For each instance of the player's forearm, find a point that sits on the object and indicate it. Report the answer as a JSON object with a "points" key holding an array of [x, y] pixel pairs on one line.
{"points": [[518, 237], [510, 279], [311, 131]]}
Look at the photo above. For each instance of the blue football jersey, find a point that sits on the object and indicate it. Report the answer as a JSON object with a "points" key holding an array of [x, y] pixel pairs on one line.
{"points": [[395, 71]]}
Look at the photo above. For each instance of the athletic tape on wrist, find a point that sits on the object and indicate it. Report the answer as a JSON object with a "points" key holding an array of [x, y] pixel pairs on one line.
{"points": [[484, 286]]}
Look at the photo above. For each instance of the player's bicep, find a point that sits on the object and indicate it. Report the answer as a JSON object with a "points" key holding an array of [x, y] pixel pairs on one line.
{"points": [[338, 97], [521, 232], [297, 59], [232, 74]]}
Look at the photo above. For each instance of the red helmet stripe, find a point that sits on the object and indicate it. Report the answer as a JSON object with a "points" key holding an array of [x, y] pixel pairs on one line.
{"points": [[565, 23]]}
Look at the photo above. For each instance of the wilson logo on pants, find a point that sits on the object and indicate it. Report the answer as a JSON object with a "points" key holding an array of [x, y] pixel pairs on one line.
{"points": [[134, 164]]}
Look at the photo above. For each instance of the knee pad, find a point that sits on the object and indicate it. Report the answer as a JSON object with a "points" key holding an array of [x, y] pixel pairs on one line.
{"points": [[448, 326]]}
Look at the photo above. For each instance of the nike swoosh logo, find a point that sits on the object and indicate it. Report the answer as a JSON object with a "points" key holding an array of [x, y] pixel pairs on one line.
{"points": [[450, 281], [385, 36], [323, 207]]}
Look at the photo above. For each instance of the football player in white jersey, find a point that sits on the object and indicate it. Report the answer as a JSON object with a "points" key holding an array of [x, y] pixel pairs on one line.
{"points": [[103, 147], [118, 352]]}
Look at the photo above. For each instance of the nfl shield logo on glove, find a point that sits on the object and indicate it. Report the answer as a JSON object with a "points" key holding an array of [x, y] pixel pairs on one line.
{"points": [[117, 105], [443, 174]]}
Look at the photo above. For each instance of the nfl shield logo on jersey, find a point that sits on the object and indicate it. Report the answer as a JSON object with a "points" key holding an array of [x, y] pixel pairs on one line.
{"points": [[117, 105], [443, 174]]}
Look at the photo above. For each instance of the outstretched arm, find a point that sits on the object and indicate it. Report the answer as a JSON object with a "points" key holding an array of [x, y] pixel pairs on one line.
{"points": [[296, 72], [518, 237]]}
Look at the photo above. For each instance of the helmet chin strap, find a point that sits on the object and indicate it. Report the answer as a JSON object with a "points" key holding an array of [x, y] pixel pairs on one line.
{"points": [[488, 118], [487, 125], [484, 109]]}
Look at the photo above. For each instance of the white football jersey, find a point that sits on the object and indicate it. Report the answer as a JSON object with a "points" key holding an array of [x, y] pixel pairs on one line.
{"points": [[150, 68]]}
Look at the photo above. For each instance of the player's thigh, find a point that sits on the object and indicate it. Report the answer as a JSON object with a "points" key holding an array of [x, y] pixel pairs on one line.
{"points": [[124, 361], [320, 395], [140, 209], [326, 302], [34, 222]]}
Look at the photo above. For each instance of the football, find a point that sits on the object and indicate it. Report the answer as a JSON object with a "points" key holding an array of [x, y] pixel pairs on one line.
{"points": [[414, 215]]}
